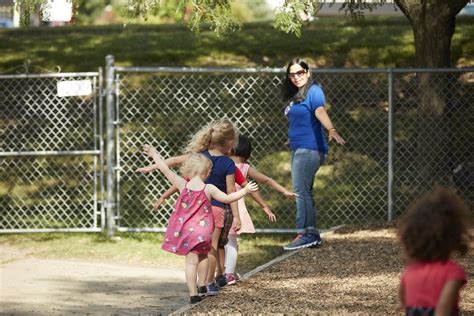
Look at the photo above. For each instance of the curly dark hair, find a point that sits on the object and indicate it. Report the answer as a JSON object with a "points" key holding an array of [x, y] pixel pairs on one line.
{"points": [[435, 226]]}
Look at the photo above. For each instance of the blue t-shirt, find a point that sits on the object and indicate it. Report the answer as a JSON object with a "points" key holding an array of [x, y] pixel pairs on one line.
{"points": [[304, 129], [221, 167]]}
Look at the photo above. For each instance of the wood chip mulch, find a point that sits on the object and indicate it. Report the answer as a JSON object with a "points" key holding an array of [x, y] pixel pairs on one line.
{"points": [[356, 271]]}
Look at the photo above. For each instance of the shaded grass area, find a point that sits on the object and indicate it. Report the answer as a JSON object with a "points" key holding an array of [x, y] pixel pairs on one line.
{"points": [[130, 248], [327, 42]]}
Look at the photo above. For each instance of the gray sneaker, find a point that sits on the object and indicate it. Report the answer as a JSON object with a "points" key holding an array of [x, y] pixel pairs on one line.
{"points": [[319, 242], [304, 241], [212, 289]]}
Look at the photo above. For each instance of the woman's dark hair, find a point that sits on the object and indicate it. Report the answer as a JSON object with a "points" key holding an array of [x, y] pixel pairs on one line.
{"points": [[435, 226], [289, 91], [244, 148]]}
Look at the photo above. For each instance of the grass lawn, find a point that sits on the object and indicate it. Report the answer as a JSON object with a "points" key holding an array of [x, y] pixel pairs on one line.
{"points": [[327, 42], [132, 248]]}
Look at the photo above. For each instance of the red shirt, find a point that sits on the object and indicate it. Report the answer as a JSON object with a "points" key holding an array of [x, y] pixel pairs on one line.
{"points": [[423, 282], [239, 177]]}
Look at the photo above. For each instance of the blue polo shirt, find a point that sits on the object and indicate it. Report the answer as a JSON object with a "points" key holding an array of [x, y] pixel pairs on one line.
{"points": [[304, 129], [221, 167]]}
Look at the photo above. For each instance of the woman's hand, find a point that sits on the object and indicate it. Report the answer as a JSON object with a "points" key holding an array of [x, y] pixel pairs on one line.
{"points": [[333, 134]]}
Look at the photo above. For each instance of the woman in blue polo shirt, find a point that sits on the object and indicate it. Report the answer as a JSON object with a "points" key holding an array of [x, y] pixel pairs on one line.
{"points": [[307, 119]]}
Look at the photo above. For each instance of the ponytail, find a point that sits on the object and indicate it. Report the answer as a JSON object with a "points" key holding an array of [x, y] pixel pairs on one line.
{"points": [[216, 133]]}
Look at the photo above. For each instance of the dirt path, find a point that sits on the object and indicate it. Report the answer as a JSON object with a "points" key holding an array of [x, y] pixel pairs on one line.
{"points": [[62, 287]]}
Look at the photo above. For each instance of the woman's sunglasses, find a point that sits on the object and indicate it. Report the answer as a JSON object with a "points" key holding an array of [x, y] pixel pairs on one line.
{"points": [[299, 73]]}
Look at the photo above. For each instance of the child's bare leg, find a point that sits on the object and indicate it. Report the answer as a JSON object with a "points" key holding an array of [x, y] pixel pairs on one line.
{"points": [[202, 270], [192, 261], [221, 266], [213, 258]]}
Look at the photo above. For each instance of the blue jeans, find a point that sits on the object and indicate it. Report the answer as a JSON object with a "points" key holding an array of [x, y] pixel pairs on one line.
{"points": [[304, 165]]}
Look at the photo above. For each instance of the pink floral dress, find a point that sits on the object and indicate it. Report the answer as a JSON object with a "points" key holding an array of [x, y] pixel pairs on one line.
{"points": [[191, 224]]}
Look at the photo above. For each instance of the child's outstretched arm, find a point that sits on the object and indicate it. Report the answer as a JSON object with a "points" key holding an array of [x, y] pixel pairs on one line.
{"points": [[176, 160], [260, 201], [164, 196], [171, 162], [163, 167], [448, 297], [220, 196], [262, 178]]}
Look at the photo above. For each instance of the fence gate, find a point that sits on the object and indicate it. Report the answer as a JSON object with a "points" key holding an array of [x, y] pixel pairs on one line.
{"points": [[51, 152]]}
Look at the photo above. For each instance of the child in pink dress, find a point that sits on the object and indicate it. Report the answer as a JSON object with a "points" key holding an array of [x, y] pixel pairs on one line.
{"points": [[191, 224], [431, 231]]}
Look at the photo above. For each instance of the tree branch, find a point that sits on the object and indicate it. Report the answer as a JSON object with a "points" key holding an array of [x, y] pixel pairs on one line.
{"points": [[404, 6], [456, 5]]}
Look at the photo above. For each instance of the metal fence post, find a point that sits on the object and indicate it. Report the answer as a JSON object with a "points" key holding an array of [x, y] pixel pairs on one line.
{"points": [[101, 148], [110, 110], [390, 144]]}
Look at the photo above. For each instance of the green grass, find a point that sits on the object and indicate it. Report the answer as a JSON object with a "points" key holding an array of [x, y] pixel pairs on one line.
{"points": [[131, 248], [327, 42]]}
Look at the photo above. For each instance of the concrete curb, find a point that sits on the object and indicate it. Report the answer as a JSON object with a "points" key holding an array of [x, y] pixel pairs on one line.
{"points": [[247, 275]]}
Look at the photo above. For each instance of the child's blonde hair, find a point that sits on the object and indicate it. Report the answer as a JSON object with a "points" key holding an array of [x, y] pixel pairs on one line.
{"points": [[196, 165], [215, 134]]}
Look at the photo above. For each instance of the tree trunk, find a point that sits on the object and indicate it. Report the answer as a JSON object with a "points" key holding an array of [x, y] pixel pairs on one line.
{"points": [[433, 23]]}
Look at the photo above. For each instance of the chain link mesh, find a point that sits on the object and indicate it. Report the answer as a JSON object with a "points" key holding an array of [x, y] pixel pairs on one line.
{"points": [[47, 193], [165, 109], [434, 134], [433, 142], [53, 186]]}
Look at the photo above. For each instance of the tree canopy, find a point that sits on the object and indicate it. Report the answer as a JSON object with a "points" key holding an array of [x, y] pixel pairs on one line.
{"points": [[433, 21]]}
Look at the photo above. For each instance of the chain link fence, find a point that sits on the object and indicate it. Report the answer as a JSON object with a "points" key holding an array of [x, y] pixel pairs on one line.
{"points": [[405, 131], [370, 179], [50, 154], [433, 134]]}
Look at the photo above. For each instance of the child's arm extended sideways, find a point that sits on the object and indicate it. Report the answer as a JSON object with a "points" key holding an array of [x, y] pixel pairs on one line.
{"points": [[220, 196], [162, 166], [262, 178]]}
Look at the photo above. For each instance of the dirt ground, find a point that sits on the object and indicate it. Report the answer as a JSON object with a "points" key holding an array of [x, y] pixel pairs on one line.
{"points": [[355, 272], [31, 286]]}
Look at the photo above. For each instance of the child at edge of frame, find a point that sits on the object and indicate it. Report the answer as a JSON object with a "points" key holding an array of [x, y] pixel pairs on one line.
{"points": [[432, 230]]}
